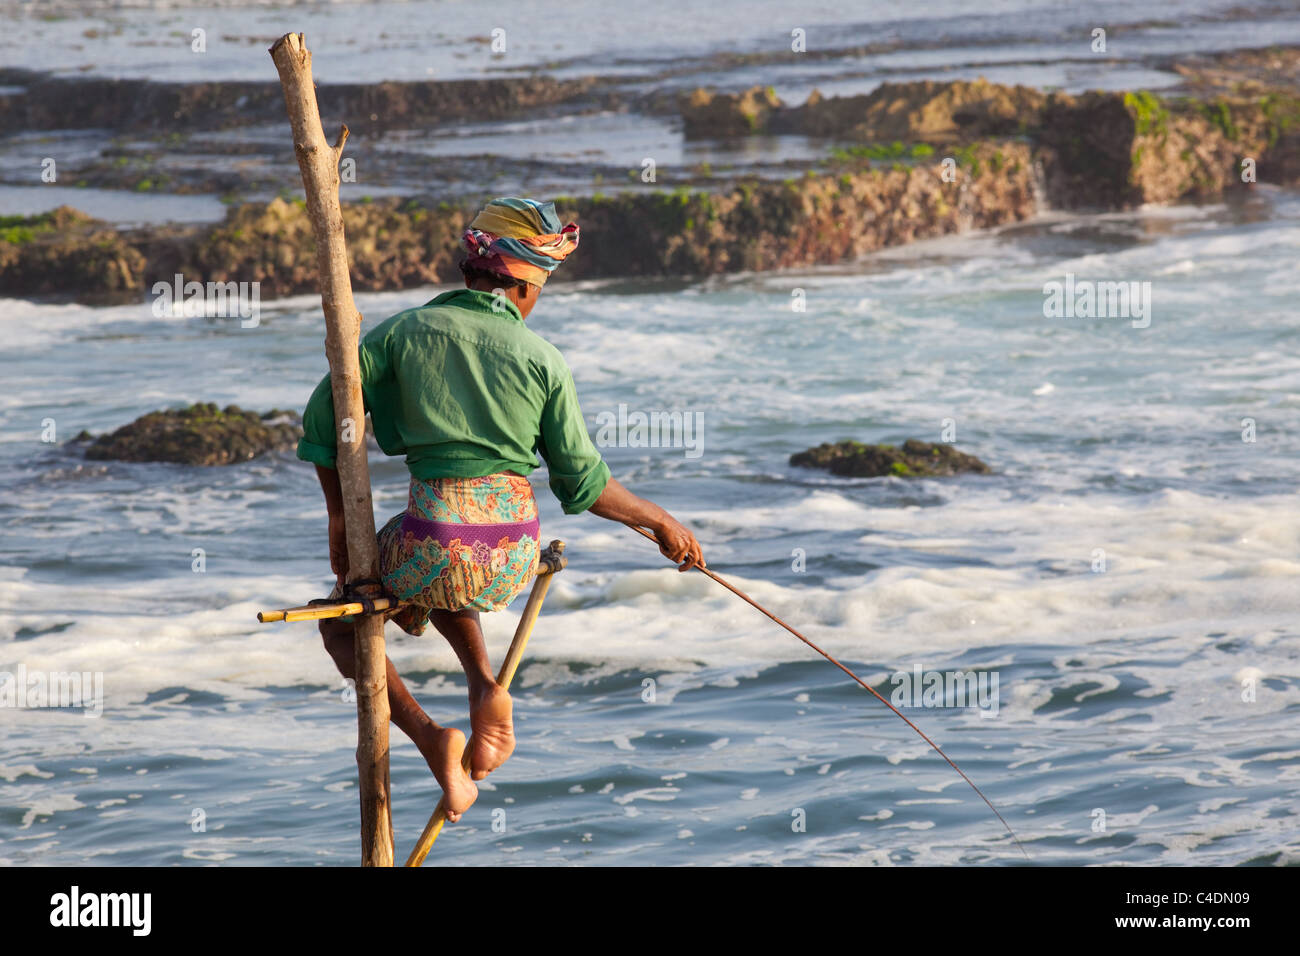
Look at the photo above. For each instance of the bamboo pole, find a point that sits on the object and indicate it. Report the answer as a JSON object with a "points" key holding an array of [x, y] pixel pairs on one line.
{"points": [[318, 162], [553, 558], [320, 612]]}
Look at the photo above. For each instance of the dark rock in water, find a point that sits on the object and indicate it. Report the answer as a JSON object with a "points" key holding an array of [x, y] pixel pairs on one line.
{"points": [[199, 435], [709, 114], [915, 459]]}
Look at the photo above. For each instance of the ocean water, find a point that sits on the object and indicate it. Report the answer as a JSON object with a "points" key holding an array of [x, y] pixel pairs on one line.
{"points": [[675, 41], [1119, 691]]}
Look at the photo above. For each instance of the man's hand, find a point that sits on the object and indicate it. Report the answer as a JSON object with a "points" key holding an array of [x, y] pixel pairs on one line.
{"points": [[678, 544], [338, 548], [675, 541]]}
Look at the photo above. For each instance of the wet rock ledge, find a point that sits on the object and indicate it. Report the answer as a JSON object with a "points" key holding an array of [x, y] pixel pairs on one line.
{"points": [[915, 459], [393, 244], [201, 434], [931, 158]]}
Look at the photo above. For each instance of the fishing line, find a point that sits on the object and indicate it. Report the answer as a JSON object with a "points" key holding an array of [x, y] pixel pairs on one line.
{"points": [[863, 684]]}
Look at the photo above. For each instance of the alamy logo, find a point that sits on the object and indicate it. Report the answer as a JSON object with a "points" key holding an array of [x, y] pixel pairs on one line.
{"points": [[921, 688], [213, 300], [1085, 299], [30, 690], [652, 430], [75, 908]]}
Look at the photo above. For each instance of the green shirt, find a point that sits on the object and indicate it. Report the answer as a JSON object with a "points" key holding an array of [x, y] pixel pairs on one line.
{"points": [[462, 391]]}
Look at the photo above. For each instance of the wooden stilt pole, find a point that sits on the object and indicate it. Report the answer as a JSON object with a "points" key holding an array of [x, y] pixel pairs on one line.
{"points": [[318, 162], [553, 561]]}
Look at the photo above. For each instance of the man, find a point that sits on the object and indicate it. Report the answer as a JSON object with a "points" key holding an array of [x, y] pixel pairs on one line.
{"points": [[470, 396]]}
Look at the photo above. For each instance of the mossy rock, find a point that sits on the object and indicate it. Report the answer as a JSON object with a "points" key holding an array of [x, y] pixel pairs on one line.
{"points": [[925, 111], [915, 459], [201, 434], [18, 230], [65, 249], [708, 114]]}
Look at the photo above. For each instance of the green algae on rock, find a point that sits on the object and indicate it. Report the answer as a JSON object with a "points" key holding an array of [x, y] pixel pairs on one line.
{"points": [[65, 250], [201, 434], [915, 459], [1118, 151]]}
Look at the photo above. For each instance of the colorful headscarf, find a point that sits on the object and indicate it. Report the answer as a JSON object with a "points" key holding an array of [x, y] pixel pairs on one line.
{"points": [[520, 238]]}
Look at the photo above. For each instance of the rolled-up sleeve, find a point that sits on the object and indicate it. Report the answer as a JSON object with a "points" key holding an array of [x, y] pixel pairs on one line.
{"points": [[577, 473], [318, 444]]}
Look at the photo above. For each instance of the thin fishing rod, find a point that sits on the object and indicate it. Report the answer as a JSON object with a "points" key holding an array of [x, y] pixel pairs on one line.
{"points": [[863, 684]]}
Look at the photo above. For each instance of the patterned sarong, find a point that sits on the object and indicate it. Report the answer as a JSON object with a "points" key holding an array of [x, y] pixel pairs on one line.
{"points": [[461, 542]]}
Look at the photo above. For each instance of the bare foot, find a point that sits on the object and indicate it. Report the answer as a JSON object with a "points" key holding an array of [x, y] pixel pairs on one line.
{"points": [[443, 748], [493, 738]]}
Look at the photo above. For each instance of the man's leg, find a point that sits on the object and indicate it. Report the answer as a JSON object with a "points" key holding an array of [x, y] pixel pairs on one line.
{"points": [[490, 707], [441, 747]]}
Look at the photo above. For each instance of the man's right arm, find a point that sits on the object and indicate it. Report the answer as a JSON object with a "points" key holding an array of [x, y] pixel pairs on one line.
{"points": [[581, 479], [675, 540]]}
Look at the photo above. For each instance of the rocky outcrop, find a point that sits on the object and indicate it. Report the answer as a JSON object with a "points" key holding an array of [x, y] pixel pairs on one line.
{"points": [[915, 459], [807, 221], [1237, 72], [64, 252], [40, 101], [709, 114], [810, 220], [925, 111], [1107, 150], [935, 158], [391, 245], [198, 435], [1116, 151]]}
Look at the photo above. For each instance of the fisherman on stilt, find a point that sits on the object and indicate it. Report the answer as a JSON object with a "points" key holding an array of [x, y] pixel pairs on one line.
{"points": [[470, 397]]}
